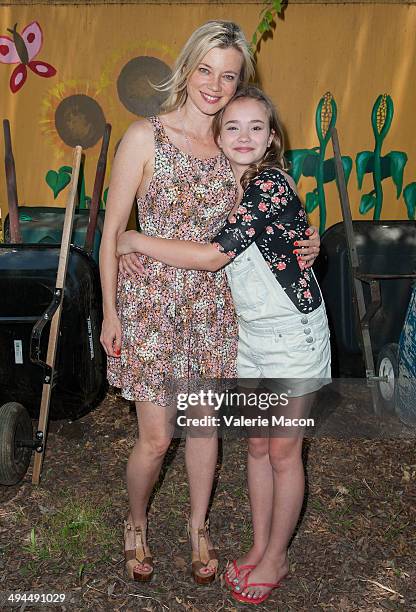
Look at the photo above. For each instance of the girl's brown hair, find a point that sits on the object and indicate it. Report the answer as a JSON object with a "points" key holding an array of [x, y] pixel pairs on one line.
{"points": [[274, 155]]}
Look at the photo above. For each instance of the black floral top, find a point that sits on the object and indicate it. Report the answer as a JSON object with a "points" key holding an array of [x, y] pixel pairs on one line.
{"points": [[272, 216]]}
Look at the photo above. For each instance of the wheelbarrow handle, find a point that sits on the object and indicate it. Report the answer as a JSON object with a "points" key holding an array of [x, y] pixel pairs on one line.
{"points": [[36, 335], [15, 235], [98, 188]]}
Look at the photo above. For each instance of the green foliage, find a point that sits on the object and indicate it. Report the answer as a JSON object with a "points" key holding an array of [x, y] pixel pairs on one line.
{"points": [[72, 530], [267, 22]]}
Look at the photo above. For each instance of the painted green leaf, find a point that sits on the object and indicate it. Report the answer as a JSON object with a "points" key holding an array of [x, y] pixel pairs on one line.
{"points": [[385, 167], [57, 181], [312, 201], [277, 5], [296, 158], [67, 169], [104, 200], [398, 160], [329, 170], [347, 163], [310, 164], [409, 194], [361, 163], [268, 17], [368, 201]]}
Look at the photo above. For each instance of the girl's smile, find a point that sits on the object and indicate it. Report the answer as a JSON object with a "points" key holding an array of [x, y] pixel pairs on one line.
{"points": [[245, 133]]}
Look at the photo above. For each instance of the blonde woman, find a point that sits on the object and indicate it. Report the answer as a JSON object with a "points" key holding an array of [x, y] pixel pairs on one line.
{"points": [[167, 323]]}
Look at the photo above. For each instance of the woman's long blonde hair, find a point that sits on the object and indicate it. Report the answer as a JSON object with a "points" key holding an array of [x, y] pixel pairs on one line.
{"points": [[274, 155], [213, 34]]}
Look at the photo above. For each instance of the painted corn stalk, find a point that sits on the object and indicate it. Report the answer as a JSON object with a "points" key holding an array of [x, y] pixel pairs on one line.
{"points": [[373, 162], [57, 181], [312, 162]]}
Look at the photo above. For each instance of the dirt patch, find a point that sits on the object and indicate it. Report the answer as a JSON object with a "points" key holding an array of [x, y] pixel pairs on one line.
{"points": [[354, 548]]}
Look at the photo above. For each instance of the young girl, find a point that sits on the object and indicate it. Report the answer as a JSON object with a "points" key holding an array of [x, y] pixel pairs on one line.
{"points": [[283, 329]]}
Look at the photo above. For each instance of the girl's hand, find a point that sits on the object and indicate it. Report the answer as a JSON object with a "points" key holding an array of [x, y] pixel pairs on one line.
{"points": [[308, 250], [128, 260], [125, 243], [130, 265], [110, 336]]}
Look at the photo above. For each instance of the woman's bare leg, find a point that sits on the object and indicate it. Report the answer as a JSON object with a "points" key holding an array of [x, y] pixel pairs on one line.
{"points": [[145, 461], [201, 454]]}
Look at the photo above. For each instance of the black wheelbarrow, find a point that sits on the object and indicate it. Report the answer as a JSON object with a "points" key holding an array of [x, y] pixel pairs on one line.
{"points": [[43, 224], [51, 360], [366, 272]]}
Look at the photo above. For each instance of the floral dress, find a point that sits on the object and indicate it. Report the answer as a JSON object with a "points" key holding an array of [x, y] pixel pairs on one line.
{"points": [[271, 215], [177, 325]]}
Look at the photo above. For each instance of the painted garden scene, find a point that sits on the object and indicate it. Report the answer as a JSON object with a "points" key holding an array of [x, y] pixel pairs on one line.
{"points": [[208, 305]]}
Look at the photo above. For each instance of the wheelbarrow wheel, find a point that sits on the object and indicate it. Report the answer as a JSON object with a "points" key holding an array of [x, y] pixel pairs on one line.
{"points": [[15, 426], [387, 366]]}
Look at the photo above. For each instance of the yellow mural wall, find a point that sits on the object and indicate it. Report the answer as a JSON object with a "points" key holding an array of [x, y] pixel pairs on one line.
{"points": [[355, 51]]}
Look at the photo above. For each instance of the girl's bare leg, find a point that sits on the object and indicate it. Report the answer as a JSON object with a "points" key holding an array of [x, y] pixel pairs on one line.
{"points": [[285, 456], [260, 488]]}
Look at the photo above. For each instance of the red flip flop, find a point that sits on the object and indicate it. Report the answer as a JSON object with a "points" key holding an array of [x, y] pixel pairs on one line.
{"points": [[255, 600], [237, 570]]}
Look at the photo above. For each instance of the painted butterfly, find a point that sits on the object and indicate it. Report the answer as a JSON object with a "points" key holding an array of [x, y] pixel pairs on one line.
{"points": [[22, 50]]}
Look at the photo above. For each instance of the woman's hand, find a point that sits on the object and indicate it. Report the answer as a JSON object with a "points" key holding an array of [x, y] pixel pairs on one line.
{"points": [[110, 336], [308, 250]]}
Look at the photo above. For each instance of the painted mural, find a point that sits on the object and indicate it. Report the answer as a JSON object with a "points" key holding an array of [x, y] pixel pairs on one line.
{"points": [[114, 85], [22, 49], [381, 167], [312, 162]]}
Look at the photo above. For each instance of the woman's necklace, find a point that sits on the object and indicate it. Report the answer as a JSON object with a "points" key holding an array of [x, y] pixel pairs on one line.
{"points": [[184, 134], [198, 174]]}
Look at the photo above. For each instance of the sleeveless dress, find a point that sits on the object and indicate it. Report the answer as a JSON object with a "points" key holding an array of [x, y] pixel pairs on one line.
{"points": [[177, 325]]}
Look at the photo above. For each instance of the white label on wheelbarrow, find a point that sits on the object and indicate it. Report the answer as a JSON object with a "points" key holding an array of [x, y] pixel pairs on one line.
{"points": [[18, 352], [90, 340]]}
